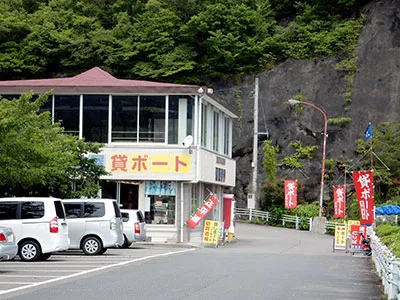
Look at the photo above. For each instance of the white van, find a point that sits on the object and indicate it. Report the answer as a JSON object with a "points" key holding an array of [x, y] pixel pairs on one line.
{"points": [[134, 227], [38, 224], [94, 224]]}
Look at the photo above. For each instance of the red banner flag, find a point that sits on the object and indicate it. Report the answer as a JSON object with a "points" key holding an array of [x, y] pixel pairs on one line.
{"points": [[290, 194], [202, 211], [339, 201], [363, 184]]}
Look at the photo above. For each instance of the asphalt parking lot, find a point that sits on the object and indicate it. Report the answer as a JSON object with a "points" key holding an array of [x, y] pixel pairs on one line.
{"points": [[17, 275]]}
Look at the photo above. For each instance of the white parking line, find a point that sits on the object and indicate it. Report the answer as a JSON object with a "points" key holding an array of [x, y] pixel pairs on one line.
{"points": [[15, 282], [28, 276], [91, 271]]}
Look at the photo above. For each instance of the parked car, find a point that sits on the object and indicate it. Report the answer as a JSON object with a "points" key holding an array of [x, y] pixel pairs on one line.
{"points": [[134, 227], [8, 246], [94, 224], [38, 224]]}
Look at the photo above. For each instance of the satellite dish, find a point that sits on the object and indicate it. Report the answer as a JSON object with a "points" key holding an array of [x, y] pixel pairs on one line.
{"points": [[187, 141]]}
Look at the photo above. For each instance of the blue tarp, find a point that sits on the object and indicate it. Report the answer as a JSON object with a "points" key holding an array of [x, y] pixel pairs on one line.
{"points": [[387, 210]]}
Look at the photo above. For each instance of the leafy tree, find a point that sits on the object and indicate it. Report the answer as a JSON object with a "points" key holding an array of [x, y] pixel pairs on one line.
{"points": [[231, 36], [385, 144], [36, 158]]}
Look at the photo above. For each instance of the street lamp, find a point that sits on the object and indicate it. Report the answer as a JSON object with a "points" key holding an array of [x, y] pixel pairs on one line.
{"points": [[321, 196]]}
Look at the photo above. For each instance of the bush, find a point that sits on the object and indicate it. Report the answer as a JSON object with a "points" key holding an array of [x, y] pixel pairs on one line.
{"points": [[389, 236]]}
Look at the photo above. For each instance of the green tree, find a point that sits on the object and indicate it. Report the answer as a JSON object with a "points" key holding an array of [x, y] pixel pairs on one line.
{"points": [[231, 36], [36, 158], [385, 144]]}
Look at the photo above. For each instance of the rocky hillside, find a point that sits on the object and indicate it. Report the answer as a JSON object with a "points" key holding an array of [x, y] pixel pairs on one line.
{"points": [[371, 94]]}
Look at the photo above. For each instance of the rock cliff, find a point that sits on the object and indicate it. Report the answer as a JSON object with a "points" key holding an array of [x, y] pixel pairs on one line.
{"points": [[374, 92]]}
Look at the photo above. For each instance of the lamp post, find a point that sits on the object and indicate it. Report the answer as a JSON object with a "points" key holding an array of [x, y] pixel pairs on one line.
{"points": [[321, 195]]}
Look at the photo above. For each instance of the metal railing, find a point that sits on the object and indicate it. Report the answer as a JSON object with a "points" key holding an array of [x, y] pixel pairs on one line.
{"points": [[387, 266], [250, 214]]}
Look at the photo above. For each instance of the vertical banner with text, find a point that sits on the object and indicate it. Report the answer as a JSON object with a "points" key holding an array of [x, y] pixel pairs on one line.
{"points": [[290, 194], [339, 201], [363, 184], [202, 211]]}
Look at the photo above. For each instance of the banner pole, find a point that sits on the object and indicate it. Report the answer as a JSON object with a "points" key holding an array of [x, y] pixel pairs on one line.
{"points": [[371, 154], [345, 194]]}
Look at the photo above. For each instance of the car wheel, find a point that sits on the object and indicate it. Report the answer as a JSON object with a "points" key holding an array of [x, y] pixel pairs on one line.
{"points": [[45, 256], [125, 244], [29, 251], [92, 246]]}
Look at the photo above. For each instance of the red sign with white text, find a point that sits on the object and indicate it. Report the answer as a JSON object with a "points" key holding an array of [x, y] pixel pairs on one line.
{"points": [[356, 237], [363, 184], [290, 194], [202, 211], [339, 201]]}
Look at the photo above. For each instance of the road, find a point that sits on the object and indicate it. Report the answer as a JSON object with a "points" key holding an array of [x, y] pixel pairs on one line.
{"points": [[262, 263]]}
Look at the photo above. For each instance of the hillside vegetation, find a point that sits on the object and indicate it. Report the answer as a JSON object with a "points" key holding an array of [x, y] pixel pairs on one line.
{"points": [[169, 40]]}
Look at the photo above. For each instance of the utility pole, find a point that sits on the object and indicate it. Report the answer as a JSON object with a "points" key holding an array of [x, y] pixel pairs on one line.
{"points": [[255, 145]]}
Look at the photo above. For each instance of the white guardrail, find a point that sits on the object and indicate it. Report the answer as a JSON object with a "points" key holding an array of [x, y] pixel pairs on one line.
{"points": [[387, 265], [250, 214]]}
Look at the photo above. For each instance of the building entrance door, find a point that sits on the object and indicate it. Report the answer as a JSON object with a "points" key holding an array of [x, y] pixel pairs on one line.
{"points": [[129, 196]]}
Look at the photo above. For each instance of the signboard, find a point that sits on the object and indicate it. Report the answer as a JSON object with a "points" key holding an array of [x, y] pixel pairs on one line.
{"points": [[340, 238], [339, 201], [250, 201], [211, 232], [290, 194], [202, 211], [356, 237], [363, 184]]}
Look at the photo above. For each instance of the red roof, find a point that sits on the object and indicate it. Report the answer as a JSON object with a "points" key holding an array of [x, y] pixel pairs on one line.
{"points": [[95, 81]]}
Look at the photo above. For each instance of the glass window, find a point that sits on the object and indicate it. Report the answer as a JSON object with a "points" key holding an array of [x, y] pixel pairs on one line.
{"points": [[204, 127], [162, 210], [47, 106], [66, 111], [108, 189], [139, 216], [94, 210], [195, 198], [117, 210], [8, 210], [124, 118], [60, 212], [10, 97], [95, 118], [227, 135], [216, 131], [173, 120], [189, 116], [32, 210], [73, 210], [152, 119], [124, 216]]}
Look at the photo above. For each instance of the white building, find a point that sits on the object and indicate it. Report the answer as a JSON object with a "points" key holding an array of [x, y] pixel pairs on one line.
{"points": [[167, 146]]}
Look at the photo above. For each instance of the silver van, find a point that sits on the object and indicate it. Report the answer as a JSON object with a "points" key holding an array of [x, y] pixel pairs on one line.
{"points": [[38, 223], [94, 225]]}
